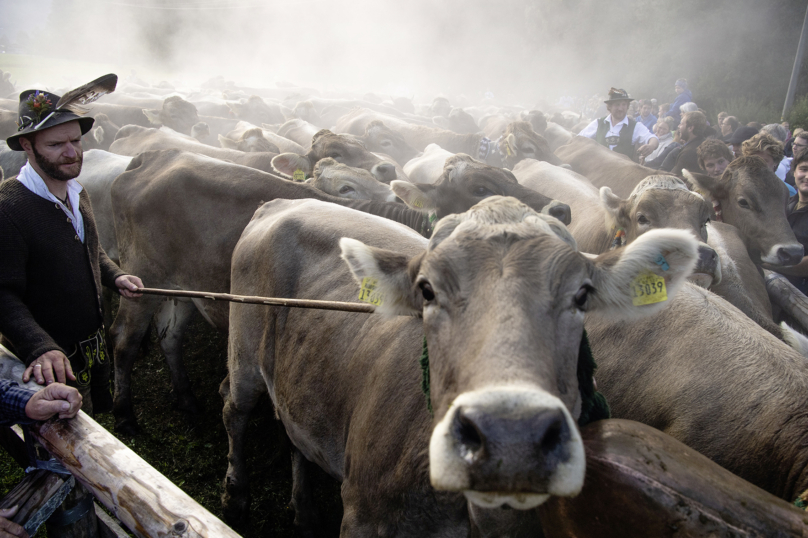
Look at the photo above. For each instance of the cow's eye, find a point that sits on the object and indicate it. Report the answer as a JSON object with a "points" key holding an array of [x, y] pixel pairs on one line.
{"points": [[743, 203], [335, 156], [386, 143], [345, 189], [581, 296], [641, 219], [426, 291], [482, 191]]}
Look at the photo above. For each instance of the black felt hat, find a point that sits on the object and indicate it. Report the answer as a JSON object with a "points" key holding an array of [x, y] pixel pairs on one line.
{"points": [[40, 110], [741, 135], [617, 94]]}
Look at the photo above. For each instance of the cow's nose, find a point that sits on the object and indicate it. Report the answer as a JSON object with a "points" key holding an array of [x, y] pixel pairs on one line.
{"points": [[510, 453], [790, 254], [562, 212], [384, 172]]}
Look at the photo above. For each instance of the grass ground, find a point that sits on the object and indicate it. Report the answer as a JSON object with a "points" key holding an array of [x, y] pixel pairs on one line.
{"points": [[192, 450]]}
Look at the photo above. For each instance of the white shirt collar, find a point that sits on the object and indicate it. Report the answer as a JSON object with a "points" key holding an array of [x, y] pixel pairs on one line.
{"points": [[34, 183], [624, 120]]}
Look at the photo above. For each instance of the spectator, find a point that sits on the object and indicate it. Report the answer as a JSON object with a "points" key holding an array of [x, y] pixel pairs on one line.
{"points": [[667, 158], [22, 405], [688, 107], [740, 135], [756, 124], [618, 132], [683, 96], [797, 215], [721, 117], [692, 131], [713, 157], [645, 117], [781, 134], [663, 132], [799, 142], [769, 149], [729, 126], [663, 109]]}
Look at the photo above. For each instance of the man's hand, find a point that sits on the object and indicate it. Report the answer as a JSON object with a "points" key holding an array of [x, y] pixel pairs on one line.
{"points": [[644, 151], [55, 398], [49, 367], [127, 285], [9, 529]]}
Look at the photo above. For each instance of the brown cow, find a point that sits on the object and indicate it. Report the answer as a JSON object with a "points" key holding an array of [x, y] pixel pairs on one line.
{"points": [[499, 295], [176, 113], [248, 140], [178, 249], [284, 144], [344, 181]]}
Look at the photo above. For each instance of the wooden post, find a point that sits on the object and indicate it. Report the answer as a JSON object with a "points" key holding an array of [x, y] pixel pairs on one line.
{"points": [[148, 503], [791, 300]]}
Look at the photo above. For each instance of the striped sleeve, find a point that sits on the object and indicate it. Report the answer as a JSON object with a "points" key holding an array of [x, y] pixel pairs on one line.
{"points": [[13, 400]]}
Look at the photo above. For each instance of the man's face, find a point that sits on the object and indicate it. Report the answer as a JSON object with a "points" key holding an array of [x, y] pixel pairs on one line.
{"points": [[684, 132], [798, 144], [726, 128], [645, 110], [619, 109], [801, 179], [57, 151], [715, 166], [662, 128], [678, 89]]}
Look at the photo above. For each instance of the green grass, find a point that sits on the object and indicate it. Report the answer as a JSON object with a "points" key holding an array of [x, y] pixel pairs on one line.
{"points": [[192, 450]]}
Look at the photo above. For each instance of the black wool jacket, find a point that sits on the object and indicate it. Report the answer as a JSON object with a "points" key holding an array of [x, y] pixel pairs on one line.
{"points": [[50, 282]]}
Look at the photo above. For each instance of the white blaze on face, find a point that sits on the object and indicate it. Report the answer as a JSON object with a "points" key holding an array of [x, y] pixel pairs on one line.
{"points": [[449, 462]]}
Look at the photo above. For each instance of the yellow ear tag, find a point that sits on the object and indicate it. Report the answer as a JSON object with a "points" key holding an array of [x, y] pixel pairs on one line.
{"points": [[648, 288], [418, 202], [299, 175], [369, 293], [508, 149]]}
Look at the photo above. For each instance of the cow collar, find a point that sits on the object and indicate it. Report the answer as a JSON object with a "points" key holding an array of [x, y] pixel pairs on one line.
{"points": [[593, 403], [487, 146], [719, 217]]}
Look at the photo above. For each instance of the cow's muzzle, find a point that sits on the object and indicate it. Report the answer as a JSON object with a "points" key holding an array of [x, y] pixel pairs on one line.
{"points": [[384, 172], [784, 255], [708, 268], [559, 210], [513, 446]]}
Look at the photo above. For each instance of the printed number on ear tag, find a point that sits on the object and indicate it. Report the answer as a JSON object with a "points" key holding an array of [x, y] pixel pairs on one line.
{"points": [[648, 288], [369, 292], [299, 175]]}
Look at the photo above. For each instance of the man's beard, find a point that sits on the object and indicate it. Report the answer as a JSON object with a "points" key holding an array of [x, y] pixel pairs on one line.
{"points": [[52, 169]]}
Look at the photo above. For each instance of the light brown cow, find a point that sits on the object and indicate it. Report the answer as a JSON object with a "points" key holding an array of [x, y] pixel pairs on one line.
{"points": [[345, 181], [248, 140], [502, 293], [176, 113], [283, 144], [603, 167]]}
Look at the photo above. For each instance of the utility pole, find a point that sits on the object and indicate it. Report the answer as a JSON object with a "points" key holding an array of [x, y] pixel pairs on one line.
{"points": [[795, 71]]}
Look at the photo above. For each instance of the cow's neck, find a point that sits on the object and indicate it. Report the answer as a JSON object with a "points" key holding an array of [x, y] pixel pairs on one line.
{"points": [[488, 151]]}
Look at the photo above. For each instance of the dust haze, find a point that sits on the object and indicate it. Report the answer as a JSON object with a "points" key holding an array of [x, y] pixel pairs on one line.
{"points": [[522, 52]]}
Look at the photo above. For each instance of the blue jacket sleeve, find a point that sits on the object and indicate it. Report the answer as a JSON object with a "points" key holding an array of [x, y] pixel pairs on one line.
{"points": [[13, 399]]}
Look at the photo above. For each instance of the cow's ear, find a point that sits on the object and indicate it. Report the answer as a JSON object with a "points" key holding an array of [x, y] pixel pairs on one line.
{"points": [[227, 143], [613, 206], [384, 278], [709, 187], [289, 163], [153, 116], [415, 196], [628, 282]]}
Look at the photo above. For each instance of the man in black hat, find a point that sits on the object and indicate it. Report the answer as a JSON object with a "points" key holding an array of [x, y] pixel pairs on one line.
{"points": [[741, 135], [620, 133], [51, 264]]}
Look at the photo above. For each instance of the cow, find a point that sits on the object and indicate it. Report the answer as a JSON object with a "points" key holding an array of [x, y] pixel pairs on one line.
{"points": [[256, 111], [344, 181], [498, 295], [479, 181], [381, 139], [603, 167], [133, 140], [176, 113], [427, 167], [298, 131], [235, 138], [704, 373], [169, 248], [11, 161], [120, 115], [458, 121], [342, 149], [102, 134], [248, 140]]}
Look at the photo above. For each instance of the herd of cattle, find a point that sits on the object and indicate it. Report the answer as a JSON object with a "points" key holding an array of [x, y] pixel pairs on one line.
{"points": [[472, 225]]}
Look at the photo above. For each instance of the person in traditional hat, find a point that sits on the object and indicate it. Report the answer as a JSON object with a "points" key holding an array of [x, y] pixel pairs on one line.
{"points": [[620, 133], [51, 263]]}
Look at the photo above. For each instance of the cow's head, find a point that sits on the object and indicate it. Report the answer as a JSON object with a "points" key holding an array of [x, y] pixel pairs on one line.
{"points": [[254, 110], [458, 121], [465, 182], [664, 202], [305, 110], [520, 141], [200, 131], [503, 294], [342, 148], [750, 197], [381, 139], [250, 140], [346, 182], [177, 114]]}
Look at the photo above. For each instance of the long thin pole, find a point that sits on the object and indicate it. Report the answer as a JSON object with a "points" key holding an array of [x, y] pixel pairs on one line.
{"points": [[795, 71], [273, 301]]}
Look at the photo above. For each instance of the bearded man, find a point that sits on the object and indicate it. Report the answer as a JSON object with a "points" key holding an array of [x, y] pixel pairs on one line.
{"points": [[51, 264]]}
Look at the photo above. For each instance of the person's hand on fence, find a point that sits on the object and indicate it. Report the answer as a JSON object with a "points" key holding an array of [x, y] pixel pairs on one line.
{"points": [[49, 367], [53, 399], [9, 529], [127, 286]]}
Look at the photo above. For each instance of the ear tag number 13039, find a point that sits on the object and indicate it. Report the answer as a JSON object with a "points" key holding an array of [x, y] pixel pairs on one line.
{"points": [[369, 292]]}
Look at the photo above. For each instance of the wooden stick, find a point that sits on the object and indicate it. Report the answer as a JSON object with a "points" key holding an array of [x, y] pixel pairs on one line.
{"points": [[784, 294], [272, 301], [147, 502]]}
